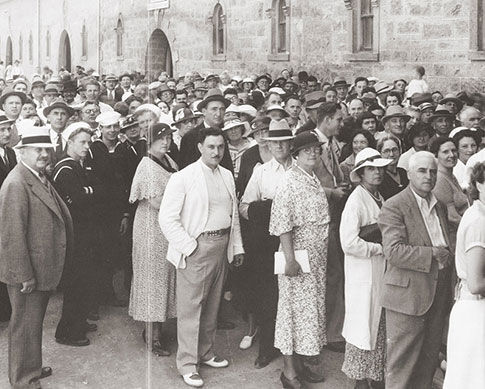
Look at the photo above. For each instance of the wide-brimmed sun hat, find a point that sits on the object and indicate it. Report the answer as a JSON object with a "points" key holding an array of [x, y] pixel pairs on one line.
{"points": [[367, 157], [233, 123]]}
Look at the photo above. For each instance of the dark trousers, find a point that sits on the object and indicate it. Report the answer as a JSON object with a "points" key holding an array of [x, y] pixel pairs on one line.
{"points": [[78, 300], [25, 337], [5, 307], [413, 342]]}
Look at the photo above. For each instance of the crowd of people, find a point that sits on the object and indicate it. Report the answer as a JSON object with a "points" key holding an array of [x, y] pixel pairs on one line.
{"points": [[335, 216]]}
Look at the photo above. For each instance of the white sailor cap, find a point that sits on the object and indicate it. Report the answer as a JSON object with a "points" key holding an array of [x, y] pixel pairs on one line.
{"points": [[108, 118]]}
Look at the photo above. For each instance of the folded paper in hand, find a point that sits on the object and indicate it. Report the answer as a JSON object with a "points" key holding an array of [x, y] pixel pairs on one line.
{"points": [[301, 257]]}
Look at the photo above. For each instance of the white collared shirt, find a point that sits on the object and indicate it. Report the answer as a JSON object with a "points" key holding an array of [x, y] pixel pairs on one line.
{"points": [[220, 201], [263, 183], [431, 219], [54, 136]]}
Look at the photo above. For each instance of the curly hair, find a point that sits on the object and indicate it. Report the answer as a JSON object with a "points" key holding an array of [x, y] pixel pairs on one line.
{"points": [[477, 175]]}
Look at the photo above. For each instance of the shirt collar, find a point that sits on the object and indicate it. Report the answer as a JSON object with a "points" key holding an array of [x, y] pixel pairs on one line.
{"points": [[36, 173], [422, 203], [321, 136], [207, 168], [275, 165]]}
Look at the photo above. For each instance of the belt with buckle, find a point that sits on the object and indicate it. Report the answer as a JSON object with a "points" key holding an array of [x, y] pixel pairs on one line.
{"points": [[221, 232]]}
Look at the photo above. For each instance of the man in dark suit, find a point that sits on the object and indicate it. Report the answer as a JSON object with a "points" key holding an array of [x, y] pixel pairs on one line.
{"points": [[7, 163], [416, 288], [213, 107], [111, 95], [35, 239]]}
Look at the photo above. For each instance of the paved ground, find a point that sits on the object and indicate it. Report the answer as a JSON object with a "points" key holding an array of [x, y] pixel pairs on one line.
{"points": [[117, 359]]}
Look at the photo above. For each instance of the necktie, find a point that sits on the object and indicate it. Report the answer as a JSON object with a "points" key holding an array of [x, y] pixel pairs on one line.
{"points": [[5, 159], [59, 145], [43, 178]]}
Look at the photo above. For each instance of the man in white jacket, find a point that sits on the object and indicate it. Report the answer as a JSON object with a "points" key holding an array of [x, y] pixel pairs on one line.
{"points": [[199, 217]]}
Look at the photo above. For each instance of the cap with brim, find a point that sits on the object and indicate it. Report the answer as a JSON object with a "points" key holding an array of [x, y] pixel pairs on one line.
{"points": [[395, 111], [367, 157], [279, 130], [452, 98], [49, 88], [111, 77], [5, 120], [211, 77], [259, 123], [129, 122], [9, 93], [424, 106], [278, 90], [305, 139], [237, 123], [277, 107], [340, 81], [263, 77], [238, 79], [37, 82], [200, 86], [440, 112], [158, 131], [214, 94], [125, 75], [293, 82], [182, 114], [419, 98], [58, 105], [381, 87], [247, 79], [33, 136], [164, 88], [66, 134]]}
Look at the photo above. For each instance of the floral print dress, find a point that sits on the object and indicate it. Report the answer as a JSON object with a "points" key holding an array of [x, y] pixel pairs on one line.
{"points": [[300, 206]]}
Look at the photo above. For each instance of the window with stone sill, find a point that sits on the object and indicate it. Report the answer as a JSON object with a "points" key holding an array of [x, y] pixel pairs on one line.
{"points": [[363, 30], [219, 41], [279, 14], [477, 30], [84, 43], [119, 38]]}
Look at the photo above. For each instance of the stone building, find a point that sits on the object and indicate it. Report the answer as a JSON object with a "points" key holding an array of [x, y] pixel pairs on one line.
{"points": [[382, 38]]}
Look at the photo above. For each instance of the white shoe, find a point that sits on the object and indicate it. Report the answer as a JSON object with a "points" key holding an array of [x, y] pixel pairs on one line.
{"points": [[193, 379], [216, 362], [247, 341]]}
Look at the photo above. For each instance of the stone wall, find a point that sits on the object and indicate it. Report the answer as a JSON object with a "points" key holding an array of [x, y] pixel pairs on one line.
{"points": [[433, 33]]}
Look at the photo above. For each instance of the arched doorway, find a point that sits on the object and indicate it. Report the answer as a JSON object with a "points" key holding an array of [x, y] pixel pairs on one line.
{"points": [[158, 56], [8, 52], [65, 51]]}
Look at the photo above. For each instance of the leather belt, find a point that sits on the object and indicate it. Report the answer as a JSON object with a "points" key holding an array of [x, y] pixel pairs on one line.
{"points": [[214, 233]]}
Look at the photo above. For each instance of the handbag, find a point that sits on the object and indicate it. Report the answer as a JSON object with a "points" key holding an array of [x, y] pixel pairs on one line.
{"points": [[371, 233]]}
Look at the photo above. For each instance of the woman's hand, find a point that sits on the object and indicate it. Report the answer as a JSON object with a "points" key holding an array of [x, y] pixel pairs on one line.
{"points": [[292, 268]]}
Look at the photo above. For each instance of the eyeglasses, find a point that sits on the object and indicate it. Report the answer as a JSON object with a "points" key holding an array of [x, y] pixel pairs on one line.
{"points": [[312, 150], [91, 111], [394, 150]]}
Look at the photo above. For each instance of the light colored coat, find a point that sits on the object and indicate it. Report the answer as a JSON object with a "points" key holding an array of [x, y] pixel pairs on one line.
{"points": [[35, 234], [364, 269], [185, 209]]}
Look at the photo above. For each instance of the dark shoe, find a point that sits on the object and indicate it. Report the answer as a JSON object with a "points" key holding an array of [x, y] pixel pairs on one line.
{"points": [[157, 347], [225, 325], [338, 347], [45, 372], [290, 384], [263, 361], [73, 342], [93, 316], [91, 327], [310, 376]]}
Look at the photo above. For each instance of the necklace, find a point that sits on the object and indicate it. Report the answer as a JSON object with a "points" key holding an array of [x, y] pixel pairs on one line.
{"points": [[377, 198]]}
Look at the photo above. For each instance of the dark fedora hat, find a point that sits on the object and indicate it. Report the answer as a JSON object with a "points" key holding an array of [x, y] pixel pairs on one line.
{"points": [[59, 103], [340, 81], [417, 129], [450, 97], [419, 98], [305, 139], [214, 94], [265, 77], [7, 93], [440, 112]]}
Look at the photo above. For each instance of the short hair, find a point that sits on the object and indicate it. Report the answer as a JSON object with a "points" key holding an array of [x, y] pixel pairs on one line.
{"points": [[395, 93], [364, 116], [466, 109], [89, 102], [210, 131], [375, 107], [413, 159], [420, 70], [327, 109], [312, 79], [369, 89], [467, 134], [371, 141], [270, 94], [358, 79], [332, 89], [132, 98], [181, 92], [291, 97], [122, 108], [230, 91], [29, 101], [92, 82], [436, 143], [383, 139], [477, 175]]}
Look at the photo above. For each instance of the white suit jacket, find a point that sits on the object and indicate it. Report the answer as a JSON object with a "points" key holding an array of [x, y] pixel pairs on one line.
{"points": [[185, 209]]}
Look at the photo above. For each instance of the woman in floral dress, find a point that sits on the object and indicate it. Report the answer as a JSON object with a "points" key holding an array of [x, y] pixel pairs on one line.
{"points": [[300, 217], [152, 297]]}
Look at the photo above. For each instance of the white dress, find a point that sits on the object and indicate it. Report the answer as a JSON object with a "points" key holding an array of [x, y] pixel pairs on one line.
{"points": [[466, 335], [152, 296]]}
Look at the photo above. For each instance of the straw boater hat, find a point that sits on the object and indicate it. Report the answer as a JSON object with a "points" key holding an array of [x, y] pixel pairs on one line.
{"points": [[279, 130], [381, 87], [5, 120], [367, 157], [33, 136], [277, 107], [233, 123]]}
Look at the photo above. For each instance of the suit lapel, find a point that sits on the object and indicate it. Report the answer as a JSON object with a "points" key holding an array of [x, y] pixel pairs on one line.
{"points": [[41, 191], [418, 218], [443, 224]]}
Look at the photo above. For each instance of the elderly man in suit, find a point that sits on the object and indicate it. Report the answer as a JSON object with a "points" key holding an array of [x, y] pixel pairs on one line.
{"points": [[199, 217], [35, 239], [416, 290], [7, 163]]}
